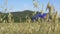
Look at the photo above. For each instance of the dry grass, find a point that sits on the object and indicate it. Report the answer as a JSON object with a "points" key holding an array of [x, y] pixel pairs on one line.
{"points": [[29, 28], [40, 27]]}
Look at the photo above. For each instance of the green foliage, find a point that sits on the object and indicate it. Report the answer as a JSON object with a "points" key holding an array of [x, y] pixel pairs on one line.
{"points": [[17, 15]]}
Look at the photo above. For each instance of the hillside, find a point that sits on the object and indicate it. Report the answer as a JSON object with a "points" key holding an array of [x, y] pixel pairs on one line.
{"points": [[18, 15], [23, 13]]}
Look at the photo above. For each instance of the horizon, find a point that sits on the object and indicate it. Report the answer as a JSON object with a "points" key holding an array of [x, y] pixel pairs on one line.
{"points": [[21, 5]]}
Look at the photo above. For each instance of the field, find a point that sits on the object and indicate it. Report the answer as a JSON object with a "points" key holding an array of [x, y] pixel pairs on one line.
{"points": [[30, 28], [22, 23]]}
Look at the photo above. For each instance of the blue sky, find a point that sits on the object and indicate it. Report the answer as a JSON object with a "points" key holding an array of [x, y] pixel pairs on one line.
{"points": [[20, 5]]}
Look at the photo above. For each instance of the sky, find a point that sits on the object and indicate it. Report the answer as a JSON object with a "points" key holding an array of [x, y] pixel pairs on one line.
{"points": [[20, 5]]}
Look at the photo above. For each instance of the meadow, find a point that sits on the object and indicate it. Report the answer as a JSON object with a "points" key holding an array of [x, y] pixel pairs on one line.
{"points": [[30, 28], [8, 24]]}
